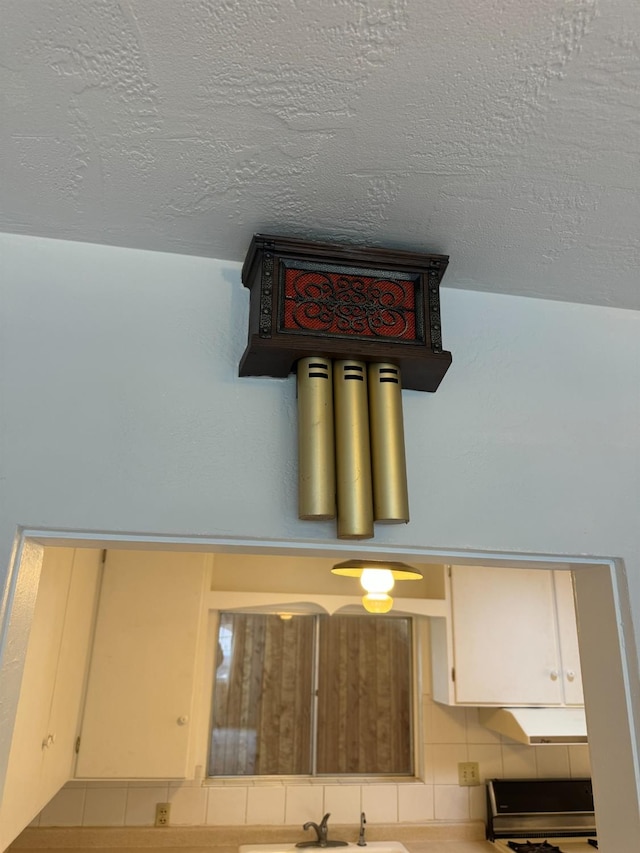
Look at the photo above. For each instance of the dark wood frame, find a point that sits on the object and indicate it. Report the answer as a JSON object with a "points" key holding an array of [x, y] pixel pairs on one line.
{"points": [[274, 351]]}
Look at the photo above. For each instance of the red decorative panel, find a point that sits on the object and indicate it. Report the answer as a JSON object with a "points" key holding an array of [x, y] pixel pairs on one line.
{"points": [[337, 303], [342, 301]]}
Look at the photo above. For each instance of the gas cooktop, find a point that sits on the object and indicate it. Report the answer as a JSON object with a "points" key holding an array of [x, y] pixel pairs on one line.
{"points": [[541, 815], [547, 845]]}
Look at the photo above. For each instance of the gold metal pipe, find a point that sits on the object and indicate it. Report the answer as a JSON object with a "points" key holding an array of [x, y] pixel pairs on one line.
{"points": [[316, 453], [390, 493], [353, 454]]}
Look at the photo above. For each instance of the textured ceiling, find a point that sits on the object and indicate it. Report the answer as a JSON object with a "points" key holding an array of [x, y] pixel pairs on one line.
{"points": [[504, 133]]}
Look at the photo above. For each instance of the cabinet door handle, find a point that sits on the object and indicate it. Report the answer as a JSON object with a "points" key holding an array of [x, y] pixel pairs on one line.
{"points": [[571, 675], [48, 741], [553, 675], [182, 721]]}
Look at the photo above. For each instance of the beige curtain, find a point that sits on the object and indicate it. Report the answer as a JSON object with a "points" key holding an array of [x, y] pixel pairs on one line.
{"points": [[364, 695], [262, 697]]}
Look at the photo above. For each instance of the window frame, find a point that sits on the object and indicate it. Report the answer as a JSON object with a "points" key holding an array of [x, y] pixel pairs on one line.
{"points": [[419, 631]]}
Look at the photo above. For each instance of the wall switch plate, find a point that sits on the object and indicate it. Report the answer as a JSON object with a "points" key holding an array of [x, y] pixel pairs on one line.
{"points": [[163, 811], [468, 773]]}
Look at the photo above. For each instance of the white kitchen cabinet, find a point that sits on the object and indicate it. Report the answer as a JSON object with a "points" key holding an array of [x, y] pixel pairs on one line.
{"points": [[42, 748], [141, 694], [509, 638], [568, 636]]}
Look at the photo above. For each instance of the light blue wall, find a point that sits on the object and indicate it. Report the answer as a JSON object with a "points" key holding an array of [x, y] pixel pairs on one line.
{"points": [[122, 412]]}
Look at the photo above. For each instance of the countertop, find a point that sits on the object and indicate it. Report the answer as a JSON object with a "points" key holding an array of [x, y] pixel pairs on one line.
{"points": [[433, 837]]}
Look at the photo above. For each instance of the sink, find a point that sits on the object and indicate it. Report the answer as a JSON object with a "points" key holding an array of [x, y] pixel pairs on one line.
{"points": [[290, 847]]}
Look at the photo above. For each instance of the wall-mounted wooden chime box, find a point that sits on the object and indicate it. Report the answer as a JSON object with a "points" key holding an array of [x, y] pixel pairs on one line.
{"points": [[355, 325], [343, 302]]}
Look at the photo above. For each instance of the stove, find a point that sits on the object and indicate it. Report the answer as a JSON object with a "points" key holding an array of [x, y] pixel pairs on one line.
{"points": [[541, 815], [549, 845]]}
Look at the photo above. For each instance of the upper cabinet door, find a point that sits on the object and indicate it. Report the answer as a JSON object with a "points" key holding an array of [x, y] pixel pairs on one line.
{"points": [[140, 694], [33, 738], [568, 631], [71, 671], [42, 747], [504, 636]]}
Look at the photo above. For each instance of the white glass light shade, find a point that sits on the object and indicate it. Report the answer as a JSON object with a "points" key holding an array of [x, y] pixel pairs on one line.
{"points": [[376, 580], [377, 602]]}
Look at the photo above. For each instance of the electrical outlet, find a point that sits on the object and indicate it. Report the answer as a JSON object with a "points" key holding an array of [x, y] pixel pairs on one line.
{"points": [[468, 773], [163, 810]]}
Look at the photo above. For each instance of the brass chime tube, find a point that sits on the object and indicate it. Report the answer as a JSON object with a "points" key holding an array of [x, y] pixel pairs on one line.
{"points": [[353, 454], [389, 469], [316, 453]]}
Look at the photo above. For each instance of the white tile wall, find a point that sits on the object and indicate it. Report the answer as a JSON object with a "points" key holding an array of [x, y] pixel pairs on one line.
{"points": [[476, 732], [188, 805], [141, 804], [478, 803], [451, 802], [553, 762], [65, 809], [265, 805], [105, 806], [343, 802], [448, 724], [519, 762], [227, 806], [427, 718], [446, 757], [302, 801], [415, 803], [449, 735], [489, 758], [380, 803]]}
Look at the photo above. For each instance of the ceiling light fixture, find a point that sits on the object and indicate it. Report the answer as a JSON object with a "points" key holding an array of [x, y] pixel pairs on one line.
{"points": [[377, 578]]}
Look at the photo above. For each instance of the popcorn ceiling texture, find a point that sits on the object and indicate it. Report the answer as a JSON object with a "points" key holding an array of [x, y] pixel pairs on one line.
{"points": [[502, 133]]}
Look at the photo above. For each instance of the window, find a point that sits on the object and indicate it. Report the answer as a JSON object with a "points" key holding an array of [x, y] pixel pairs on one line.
{"points": [[312, 695]]}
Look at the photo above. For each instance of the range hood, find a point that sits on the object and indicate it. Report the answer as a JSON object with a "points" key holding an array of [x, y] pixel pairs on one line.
{"points": [[535, 726]]}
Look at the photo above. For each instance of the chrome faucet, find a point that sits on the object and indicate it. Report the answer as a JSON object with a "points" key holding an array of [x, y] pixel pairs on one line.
{"points": [[322, 829], [363, 820], [322, 832]]}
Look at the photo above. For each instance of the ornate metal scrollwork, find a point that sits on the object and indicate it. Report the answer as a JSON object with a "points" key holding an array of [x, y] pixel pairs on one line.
{"points": [[341, 304]]}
